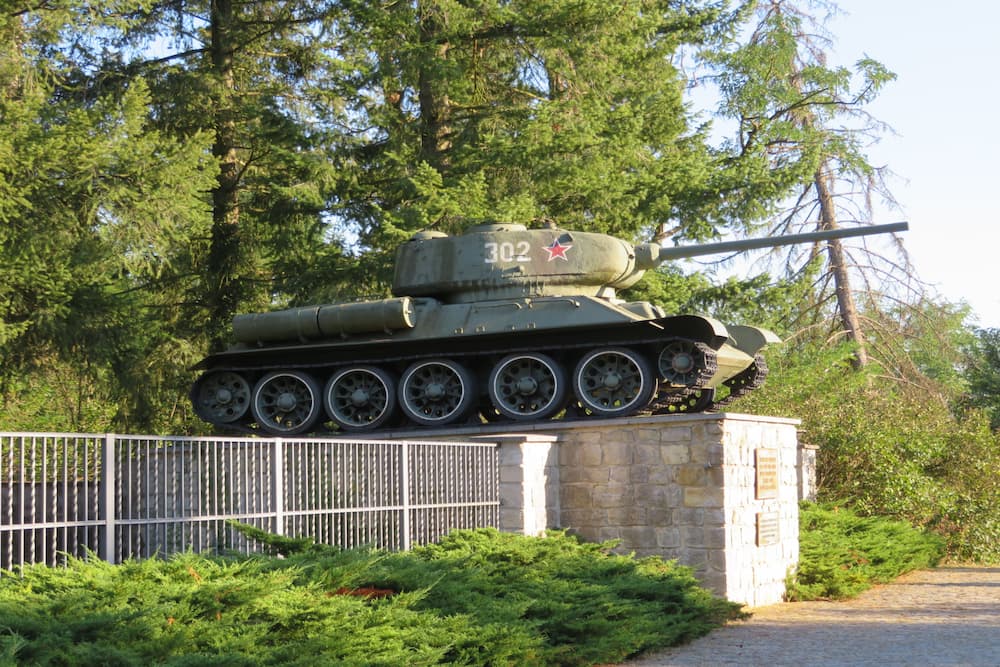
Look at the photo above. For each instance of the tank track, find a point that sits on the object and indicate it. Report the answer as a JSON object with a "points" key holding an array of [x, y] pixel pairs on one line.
{"points": [[685, 402], [751, 378]]}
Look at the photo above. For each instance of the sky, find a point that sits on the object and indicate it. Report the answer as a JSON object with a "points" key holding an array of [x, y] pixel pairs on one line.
{"points": [[945, 109]]}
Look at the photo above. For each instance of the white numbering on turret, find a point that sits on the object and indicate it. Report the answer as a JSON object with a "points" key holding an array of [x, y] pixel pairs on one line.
{"points": [[507, 251]]}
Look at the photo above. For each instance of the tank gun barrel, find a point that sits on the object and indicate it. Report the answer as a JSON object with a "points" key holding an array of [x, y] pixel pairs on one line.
{"points": [[662, 254]]}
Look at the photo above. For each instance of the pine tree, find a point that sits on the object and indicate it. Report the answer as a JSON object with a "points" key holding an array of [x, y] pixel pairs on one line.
{"points": [[521, 111], [802, 132], [93, 206], [261, 78]]}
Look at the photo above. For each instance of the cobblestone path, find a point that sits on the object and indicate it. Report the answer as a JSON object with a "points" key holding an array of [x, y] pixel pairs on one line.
{"points": [[948, 616]]}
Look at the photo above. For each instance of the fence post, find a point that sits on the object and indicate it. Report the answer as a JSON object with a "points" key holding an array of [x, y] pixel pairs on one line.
{"points": [[109, 496], [405, 479], [278, 486]]}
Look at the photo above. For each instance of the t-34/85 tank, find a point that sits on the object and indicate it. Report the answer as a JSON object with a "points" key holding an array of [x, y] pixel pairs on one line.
{"points": [[500, 323]]}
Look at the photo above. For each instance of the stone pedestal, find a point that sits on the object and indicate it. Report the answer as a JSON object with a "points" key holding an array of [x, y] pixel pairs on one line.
{"points": [[807, 472], [529, 483], [717, 492]]}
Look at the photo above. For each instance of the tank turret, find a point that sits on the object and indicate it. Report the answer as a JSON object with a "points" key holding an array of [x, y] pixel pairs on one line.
{"points": [[499, 323], [510, 261]]}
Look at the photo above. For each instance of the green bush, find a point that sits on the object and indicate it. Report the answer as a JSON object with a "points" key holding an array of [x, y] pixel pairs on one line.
{"points": [[477, 598], [887, 448], [842, 553], [589, 604]]}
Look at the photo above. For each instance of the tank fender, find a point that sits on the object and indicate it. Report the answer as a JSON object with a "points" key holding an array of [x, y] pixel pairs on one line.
{"points": [[751, 339], [701, 328]]}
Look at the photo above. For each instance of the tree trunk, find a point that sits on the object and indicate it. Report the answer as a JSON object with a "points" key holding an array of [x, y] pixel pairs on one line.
{"points": [[435, 107], [12, 40], [224, 260], [838, 267]]}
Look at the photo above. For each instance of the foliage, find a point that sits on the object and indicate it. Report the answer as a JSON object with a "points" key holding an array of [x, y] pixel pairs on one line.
{"points": [[55, 397], [983, 373], [576, 595], [925, 343], [108, 239], [842, 553], [477, 598], [804, 123], [96, 205], [793, 110], [521, 111], [193, 610], [890, 447]]}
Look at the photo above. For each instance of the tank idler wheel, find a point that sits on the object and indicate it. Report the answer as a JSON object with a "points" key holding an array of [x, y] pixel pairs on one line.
{"points": [[221, 397], [613, 382], [286, 402], [360, 398], [528, 386], [437, 392], [683, 363]]}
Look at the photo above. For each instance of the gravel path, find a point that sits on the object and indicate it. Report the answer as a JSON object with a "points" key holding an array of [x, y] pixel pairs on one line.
{"points": [[948, 616]]}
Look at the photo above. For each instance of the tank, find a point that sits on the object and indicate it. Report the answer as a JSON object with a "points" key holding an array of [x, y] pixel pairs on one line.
{"points": [[500, 323]]}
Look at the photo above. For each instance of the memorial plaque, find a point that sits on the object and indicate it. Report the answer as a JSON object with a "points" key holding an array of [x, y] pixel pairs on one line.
{"points": [[766, 463], [767, 528]]}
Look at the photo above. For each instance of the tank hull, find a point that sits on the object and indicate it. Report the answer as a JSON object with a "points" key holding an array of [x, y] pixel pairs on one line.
{"points": [[524, 359]]}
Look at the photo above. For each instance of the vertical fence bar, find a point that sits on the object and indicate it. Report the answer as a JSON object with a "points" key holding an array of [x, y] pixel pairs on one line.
{"points": [[108, 477], [405, 494], [6, 501], [278, 485]]}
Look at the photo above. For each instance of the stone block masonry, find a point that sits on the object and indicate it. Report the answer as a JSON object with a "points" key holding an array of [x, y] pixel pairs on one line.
{"points": [[685, 487], [716, 492]]}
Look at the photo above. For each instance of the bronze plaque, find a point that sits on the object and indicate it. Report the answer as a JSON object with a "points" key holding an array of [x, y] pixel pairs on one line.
{"points": [[767, 528], [766, 464]]}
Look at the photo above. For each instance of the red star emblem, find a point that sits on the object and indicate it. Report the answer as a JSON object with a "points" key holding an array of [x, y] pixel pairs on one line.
{"points": [[557, 250]]}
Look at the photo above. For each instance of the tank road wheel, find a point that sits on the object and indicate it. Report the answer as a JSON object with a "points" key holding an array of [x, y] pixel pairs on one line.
{"points": [[286, 402], [360, 398], [221, 397], [528, 386], [684, 363], [613, 382], [437, 392]]}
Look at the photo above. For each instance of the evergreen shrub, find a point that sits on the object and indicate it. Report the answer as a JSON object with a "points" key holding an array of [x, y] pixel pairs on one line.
{"points": [[890, 449], [842, 553], [478, 597]]}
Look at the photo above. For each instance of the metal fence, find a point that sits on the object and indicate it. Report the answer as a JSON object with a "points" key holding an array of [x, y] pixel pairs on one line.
{"points": [[123, 497]]}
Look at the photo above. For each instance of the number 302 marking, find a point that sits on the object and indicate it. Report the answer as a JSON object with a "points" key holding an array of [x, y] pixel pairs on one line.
{"points": [[507, 251]]}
